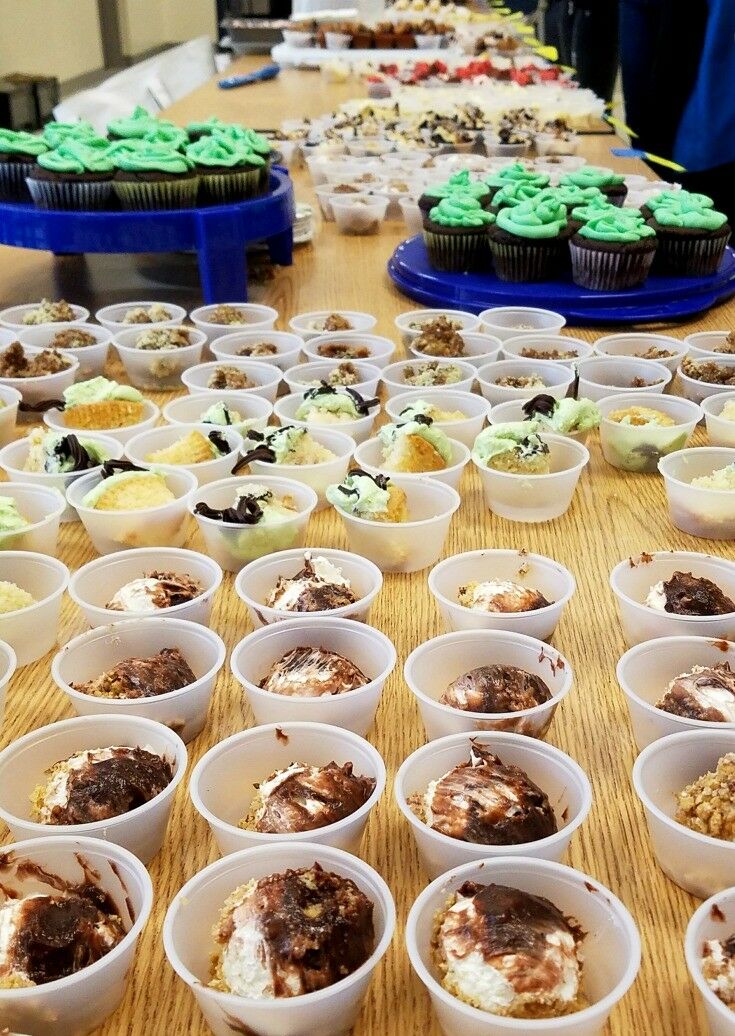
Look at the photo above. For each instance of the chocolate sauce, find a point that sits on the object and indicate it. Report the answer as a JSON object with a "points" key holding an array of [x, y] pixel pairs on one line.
{"points": [[682, 697], [336, 792], [142, 677], [496, 688], [695, 595]]}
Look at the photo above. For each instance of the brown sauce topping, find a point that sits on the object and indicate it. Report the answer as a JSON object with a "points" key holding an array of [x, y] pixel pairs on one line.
{"points": [[695, 595], [338, 791], [496, 688]]}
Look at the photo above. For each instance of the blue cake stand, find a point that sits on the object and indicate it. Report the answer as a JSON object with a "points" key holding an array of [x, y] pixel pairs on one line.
{"points": [[219, 234], [659, 299]]}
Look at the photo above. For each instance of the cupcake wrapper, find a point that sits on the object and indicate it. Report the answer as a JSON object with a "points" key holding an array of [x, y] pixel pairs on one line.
{"points": [[690, 257], [164, 194], [226, 187], [58, 194], [457, 253], [13, 185], [542, 262], [609, 271]]}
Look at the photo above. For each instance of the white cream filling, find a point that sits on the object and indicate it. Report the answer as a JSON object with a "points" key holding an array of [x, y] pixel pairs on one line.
{"points": [[723, 984], [485, 594], [656, 597], [324, 572], [708, 695], [245, 962], [136, 596]]}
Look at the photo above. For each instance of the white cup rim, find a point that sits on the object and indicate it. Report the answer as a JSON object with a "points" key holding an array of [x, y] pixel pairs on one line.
{"points": [[266, 312], [391, 405], [716, 398], [432, 483], [692, 953], [583, 455], [58, 567], [151, 410], [132, 350], [550, 368], [685, 556], [656, 400], [403, 320], [268, 373], [465, 368], [591, 363], [37, 488], [277, 481], [34, 350], [84, 481], [716, 494], [179, 313]]}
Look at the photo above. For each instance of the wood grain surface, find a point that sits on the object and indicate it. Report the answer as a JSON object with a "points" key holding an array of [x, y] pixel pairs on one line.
{"points": [[613, 515]]}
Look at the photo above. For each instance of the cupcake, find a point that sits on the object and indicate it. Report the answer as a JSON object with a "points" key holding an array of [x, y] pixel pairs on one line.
{"points": [[612, 252], [578, 198], [227, 170], [55, 133], [611, 184], [203, 127], [166, 134], [155, 177], [598, 206], [459, 183], [18, 154], [137, 124], [514, 173], [515, 192], [252, 142], [678, 199], [456, 234], [76, 175], [691, 241], [529, 241]]}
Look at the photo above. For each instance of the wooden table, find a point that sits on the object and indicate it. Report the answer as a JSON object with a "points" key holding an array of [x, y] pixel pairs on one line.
{"points": [[613, 515]]}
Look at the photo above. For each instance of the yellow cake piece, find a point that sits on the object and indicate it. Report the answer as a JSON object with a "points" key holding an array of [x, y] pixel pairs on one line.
{"points": [[514, 462], [193, 448], [13, 597], [412, 453], [108, 413], [397, 506], [135, 494], [308, 451], [638, 416]]}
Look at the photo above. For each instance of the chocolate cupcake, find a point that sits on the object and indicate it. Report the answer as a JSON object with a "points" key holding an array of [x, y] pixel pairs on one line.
{"points": [[529, 241], [516, 172], [135, 125], [578, 198], [460, 183], [516, 192], [612, 252], [679, 199], [154, 177], [227, 170], [611, 184], [77, 175], [456, 234], [18, 154], [691, 241], [55, 133]]}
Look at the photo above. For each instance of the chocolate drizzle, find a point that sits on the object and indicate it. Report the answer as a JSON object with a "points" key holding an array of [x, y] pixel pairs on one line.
{"points": [[219, 442], [70, 448], [542, 404], [313, 797], [42, 406], [496, 689], [687, 594], [423, 419], [115, 467], [362, 405], [381, 481], [247, 511]]}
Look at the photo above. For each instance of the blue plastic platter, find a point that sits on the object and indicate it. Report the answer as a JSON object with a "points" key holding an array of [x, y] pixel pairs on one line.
{"points": [[219, 234], [660, 298]]}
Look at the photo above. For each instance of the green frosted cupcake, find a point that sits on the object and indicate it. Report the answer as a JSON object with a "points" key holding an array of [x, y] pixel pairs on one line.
{"points": [[461, 183], [18, 154], [516, 192], [252, 142], [676, 199], [598, 206], [76, 175], [227, 170], [516, 172], [154, 177], [203, 128], [166, 134], [456, 234], [55, 133], [611, 184], [137, 124], [691, 241], [529, 241], [612, 252]]}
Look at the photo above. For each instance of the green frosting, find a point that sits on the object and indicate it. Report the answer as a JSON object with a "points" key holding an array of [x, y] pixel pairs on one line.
{"points": [[166, 134], [96, 390], [591, 176], [59, 462], [460, 182], [691, 219], [680, 199], [241, 134], [537, 221], [135, 125], [433, 435], [515, 172], [502, 438], [156, 158], [282, 441], [461, 210], [12, 143], [54, 133], [359, 495], [218, 151], [331, 402], [77, 156], [11, 520], [600, 206], [206, 126], [571, 195], [515, 192], [570, 416], [615, 226]]}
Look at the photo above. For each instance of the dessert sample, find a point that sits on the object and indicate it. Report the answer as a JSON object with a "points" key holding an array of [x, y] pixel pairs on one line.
{"points": [[154, 591], [513, 447], [563, 416], [227, 314], [258, 349], [426, 375], [129, 491], [305, 798], [163, 338], [372, 497], [342, 375], [685, 594], [415, 446], [288, 444], [496, 688], [485, 802], [141, 677], [707, 805], [222, 414], [439, 337], [99, 784], [728, 411], [709, 371], [326, 405], [154, 314], [721, 478], [510, 953], [520, 381], [11, 520], [99, 404], [231, 378], [60, 454], [308, 672], [290, 934], [15, 362], [718, 968], [50, 313], [640, 416], [192, 448], [500, 595], [343, 351], [655, 352], [72, 338], [704, 693], [13, 597], [50, 936], [318, 586], [421, 408], [332, 322], [530, 352]]}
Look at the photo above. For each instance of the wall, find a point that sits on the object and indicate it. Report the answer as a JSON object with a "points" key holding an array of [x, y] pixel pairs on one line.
{"points": [[146, 24], [54, 37]]}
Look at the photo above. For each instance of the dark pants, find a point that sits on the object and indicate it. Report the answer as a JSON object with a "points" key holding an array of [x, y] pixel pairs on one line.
{"points": [[586, 36]]}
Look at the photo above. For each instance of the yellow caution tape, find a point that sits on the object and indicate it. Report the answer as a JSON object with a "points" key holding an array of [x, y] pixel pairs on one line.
{"points": [[665, 161], [525, 30], [550, 53], [619, 124], [568, 68]]}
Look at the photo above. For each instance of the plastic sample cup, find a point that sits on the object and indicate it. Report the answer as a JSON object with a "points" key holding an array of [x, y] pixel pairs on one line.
{"points": [[254, 410], [513, 411], [113, 317], [509, 321], [92, 653], [359, 430], [636, 344], [697, 390], [23, 766], [601, 376], [187, 941], [311, 325], [12, 317], [255, 318], [32, 631], [92, 358], [309, 375], [721, 431], [316, 476], [479, 349], [707, 513], [368, 456], [359, 214], [394, 376], [9, 400], [266, 377], [369, 649], [432, 666], [157, 370], [564, 782], [714, 919], [696, 862], [707, 344], [465, 430], [519, 345], [640, 447], [410, 324], [43, 386], [556, 379], [380, 350], [231, 345], [247, 759], [42, 508], [140, 446]]}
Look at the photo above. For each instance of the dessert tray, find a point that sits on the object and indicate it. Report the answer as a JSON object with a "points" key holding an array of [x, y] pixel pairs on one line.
{"points": [[315, 57], [219, 234], [660, 298]]}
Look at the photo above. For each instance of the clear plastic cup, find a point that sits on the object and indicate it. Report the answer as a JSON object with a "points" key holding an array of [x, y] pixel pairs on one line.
{"points": [[233, 546], [257, 318], [266, 378], [720, 431], [92, 585], [557, 378], [697, 390], [612, 947], [9, 400], [8, 665], [157, 370], [405, 321], [632, 578], [432, 666], [325, 195], [564, 782], [25, 762], [256, 580], [634, 344], [381, 349], [464, 430], [56, 419], [698, 863], [359, 430], [92, 653], [92, 358], [140, 446], [707, 513], [479, 349], [640, 447], [112, 317], [600, 377], [12, 317], [359, 214], [555, 582], [316, 476], [188, 943], [412, 216], [368, 456], [247, 758], [254, 410], [513, 411], [44, 386], [309, 375], [707, 344], [510, 321], [513, 347], [161, 526], [42, 508], [32, 631], [394, 376], [369, 649], [548, 144], [288, 346], [406, 546], [536, 498], [713, 919], [645, 671], [311, 325], [80, 1002]]}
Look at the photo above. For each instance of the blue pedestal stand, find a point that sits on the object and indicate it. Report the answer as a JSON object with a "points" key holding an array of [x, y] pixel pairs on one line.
{"points": [[219, 234], [660, 298]]}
